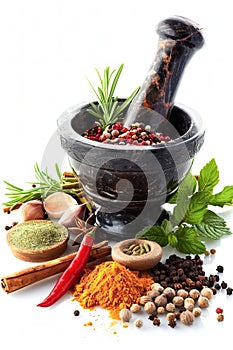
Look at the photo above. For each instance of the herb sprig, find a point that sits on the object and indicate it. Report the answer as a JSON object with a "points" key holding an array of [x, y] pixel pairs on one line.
{"points": [[191, 222], [108, 109], [42, 187]]}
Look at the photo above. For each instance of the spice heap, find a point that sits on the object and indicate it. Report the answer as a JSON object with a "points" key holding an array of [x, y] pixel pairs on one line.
{"points": [[111, 286], [136, 134], [187, 273]]}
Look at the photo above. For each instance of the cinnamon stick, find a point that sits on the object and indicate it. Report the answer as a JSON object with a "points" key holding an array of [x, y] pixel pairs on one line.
{"points": [[33, 274]]}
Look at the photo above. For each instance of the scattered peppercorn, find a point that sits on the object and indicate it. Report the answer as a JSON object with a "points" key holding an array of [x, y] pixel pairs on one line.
{"points": [[219, 310], [220, 268], [156, 321], [212, 251], [220, 317], [229, 291], [224, 285], [76, 313], [172, 323]]}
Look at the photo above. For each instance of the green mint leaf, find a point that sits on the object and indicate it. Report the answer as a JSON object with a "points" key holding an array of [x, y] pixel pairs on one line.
{"points": [[153, 233], [225, 197], [209, 177], [180, 211], [213, 226], [187, 187], [166, 226], [172, 240], [197, 208], [187, 241]]}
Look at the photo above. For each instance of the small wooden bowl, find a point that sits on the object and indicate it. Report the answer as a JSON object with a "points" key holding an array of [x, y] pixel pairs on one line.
{"points": [[137, 262], [53, 248]]}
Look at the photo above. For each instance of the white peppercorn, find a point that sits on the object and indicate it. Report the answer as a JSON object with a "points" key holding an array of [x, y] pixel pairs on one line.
{"points": [[149, 307], [189, 304], [161, 300], [153, 293], [138, 323], [158, 287], [125, 315], [196, 312], [178, 301], [194, 294], [203, 302], [169, 293], [135, 308], [144, 299], [170, 307], [161, 310], [182, 293], [170, 316], [207, 292], [187, 318]]}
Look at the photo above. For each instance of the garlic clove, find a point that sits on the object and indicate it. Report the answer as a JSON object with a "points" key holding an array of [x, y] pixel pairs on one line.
{"points": [[76, 211], [57, 203], [32, 210]]}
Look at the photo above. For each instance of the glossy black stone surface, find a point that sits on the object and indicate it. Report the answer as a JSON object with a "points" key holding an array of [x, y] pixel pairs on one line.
{"points": [[129, 184]]}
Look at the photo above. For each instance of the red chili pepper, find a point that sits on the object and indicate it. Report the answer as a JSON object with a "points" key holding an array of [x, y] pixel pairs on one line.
{"points": [[73, 271]]}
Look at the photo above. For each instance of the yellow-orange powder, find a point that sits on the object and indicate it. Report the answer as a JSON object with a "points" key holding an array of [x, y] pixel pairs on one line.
{"points": [[111, 286]]}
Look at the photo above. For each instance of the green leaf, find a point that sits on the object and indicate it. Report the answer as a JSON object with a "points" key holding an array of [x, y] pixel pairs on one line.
{"points": [[180, 211], [197, 208], [166, 226], [172, 240], [213, 226], [154, 233], [187, 187], [209, 177], [225, 197], [108, 112], [187, 241]]}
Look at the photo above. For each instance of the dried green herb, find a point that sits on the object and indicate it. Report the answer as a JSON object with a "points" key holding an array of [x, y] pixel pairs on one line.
{"points": [[36, 234]]}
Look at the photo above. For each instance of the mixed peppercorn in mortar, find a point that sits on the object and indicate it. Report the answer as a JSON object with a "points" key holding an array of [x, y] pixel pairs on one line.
{"points": [[136, 134]]}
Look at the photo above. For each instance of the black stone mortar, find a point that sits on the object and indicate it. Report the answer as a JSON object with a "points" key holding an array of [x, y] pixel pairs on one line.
{"points": [[128, 184]]}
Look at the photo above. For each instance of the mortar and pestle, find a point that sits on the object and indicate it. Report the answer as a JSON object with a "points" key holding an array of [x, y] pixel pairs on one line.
{"points": [[128, 184]]}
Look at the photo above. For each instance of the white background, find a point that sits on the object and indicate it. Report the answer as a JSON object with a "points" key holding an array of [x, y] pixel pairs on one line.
{"points": [[47, 49]]}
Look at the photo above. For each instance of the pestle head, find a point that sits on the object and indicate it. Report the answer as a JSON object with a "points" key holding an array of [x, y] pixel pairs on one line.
{"points": [[181, 29]]}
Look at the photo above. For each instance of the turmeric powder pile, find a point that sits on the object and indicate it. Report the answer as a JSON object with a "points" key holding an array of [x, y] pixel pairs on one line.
{"points": [[111, 286]]}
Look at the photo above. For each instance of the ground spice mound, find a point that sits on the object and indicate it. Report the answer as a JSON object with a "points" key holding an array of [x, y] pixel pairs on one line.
{"points": [[111, 286]]}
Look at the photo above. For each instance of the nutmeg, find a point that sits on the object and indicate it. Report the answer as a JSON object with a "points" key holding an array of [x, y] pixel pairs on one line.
{"points": [[32, 210]]}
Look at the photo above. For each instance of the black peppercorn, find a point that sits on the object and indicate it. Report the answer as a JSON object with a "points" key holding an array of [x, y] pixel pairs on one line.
{"points": [[220, 268], [229, 291], [224, 285], [76, 313], [217, 286]]}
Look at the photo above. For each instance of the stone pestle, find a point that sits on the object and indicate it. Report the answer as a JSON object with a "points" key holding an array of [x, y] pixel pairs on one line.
{"points": [[179, 39]]}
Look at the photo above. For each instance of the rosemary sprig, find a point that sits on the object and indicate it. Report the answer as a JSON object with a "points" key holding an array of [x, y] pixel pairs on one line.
{"points": [[42, 187], [108, 109]]}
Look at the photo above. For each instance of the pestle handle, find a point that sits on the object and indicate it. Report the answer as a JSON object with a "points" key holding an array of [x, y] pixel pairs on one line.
{"points": [[179, 38]]}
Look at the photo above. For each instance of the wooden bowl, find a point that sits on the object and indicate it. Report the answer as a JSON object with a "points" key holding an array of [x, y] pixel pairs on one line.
{"points": [[37, 240], [137, 262]]}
